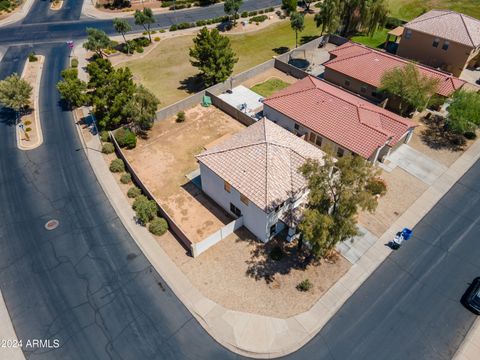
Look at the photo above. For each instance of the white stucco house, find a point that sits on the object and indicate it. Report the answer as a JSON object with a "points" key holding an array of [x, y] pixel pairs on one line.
{"points": [[254, 175]]}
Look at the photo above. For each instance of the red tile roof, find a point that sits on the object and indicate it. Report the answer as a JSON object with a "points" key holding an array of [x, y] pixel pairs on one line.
{"points": [[368, 65], [335, 114]]}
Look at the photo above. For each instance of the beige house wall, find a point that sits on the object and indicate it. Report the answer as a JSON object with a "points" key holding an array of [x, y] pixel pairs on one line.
{"points": [[419, 48]]}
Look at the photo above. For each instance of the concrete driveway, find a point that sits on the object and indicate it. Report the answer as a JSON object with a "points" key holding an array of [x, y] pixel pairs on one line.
{"points": [[415, 163]]}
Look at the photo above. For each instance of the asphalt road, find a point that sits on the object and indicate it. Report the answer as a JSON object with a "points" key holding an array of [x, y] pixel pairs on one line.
{"points": [[43, 26], [87, 283]]}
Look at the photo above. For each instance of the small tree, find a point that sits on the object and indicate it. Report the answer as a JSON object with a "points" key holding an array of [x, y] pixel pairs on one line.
{"points": [[145, 18], [213, 55], [140, 111], [337, 191], [15, 93], [122, 26], [464, 112], [297, 22], [290, 6], [97, 40], [231, 7], [413, 89], [72, 89], [307, 4], [145, 209]]}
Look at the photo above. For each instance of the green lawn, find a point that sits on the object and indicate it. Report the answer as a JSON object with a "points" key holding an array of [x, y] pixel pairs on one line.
{"points": [[375, 41], [409, 9], [270, 87], [168, 73]]}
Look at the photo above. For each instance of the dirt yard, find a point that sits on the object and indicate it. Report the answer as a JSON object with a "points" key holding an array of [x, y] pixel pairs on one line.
{"points": [[237, 274], [164, 159], [402, 191], [428, 139]]}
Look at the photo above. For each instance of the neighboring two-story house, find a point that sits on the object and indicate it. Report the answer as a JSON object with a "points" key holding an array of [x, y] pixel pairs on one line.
{"points": [[254, 175], [359, 69], [328, 116], [443, 39]]}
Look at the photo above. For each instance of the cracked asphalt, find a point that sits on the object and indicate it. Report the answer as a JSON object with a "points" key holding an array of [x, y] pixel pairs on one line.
{"points": [[87, 284]]}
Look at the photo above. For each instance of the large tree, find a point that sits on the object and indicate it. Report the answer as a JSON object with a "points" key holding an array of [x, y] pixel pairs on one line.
{"points": [[122, 26], [464, 111], [289, 6], [212, 54], [338, 189], [231, 7], [15, 93], [353, 15], [98, 72], [413, 89], [146, 19], [140, 110], [72, 89], [97, 40], [297, 22]]}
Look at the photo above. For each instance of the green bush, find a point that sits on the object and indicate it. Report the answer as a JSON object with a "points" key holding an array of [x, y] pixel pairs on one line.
{"points": [[162, 31], [126, 138], [108, 148], [133, 192], [104, 136], [32, 57], [158, 226], [145, 209], [74, 63], [139, 49], [117, 166], [156, 39], [470, 135], [181, 116], [258, 19], [173, 27], [276, 253], [126, 178], [244, 14], [305, 285], [28, 122], [377, 187], [28, 129]]}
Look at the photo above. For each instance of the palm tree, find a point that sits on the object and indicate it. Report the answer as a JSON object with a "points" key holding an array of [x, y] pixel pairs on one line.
{"points": [[122, 27], [297, 22]]}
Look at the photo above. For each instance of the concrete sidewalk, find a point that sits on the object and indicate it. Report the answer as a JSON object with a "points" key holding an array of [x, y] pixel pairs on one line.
{"points": [[18, 14], [256, 335], [470, 349]]}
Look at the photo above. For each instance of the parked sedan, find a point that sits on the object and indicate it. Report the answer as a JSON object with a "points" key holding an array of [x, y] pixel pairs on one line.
{"points": [[471, 299]]}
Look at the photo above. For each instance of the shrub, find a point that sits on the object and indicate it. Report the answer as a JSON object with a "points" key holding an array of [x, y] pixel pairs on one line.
{"points": [[139, 49], [162, 31], [126, 178], [108, 148], [158, 226], [74, 63], [392, 23], [181, 116], [28, 129], [156, 39], [305, 285], [173, 27], [133, 192], [28, 122], [377, 187], [244, 14], [258, 19], [276, 253], [32, 57], [145, 33], [117, 166], [470, 135], [126, 138], [104, 136], [145, 209]]}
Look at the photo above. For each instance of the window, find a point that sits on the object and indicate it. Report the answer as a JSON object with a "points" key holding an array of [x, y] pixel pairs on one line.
{"points": [[318, 142], [363, 89], [408, 34], [273, 229], [445, 46], [244, 199], [235, 210], [297, 127], [227, 186], [340, 152], [435, 43], [312, 137], [347, 82]]}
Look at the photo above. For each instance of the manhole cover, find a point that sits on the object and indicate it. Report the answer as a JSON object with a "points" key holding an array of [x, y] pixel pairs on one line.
{"points": [[51, 224]]}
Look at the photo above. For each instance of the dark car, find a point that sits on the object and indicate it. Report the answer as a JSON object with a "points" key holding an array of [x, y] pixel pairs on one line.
{"points": [[471, 299]]}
